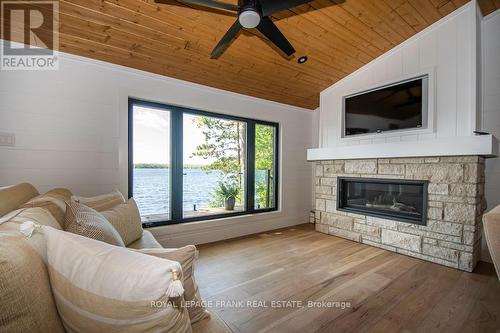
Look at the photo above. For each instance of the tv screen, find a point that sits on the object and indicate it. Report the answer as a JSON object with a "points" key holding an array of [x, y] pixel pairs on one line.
{"points": [[395, 107]]}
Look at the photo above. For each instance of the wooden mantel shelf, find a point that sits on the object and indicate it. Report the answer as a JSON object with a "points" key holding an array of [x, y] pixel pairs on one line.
{"points": [[483, 145]]}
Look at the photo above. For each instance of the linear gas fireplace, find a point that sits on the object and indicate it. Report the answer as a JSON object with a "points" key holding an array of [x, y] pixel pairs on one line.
{"points": [[395, 199]]}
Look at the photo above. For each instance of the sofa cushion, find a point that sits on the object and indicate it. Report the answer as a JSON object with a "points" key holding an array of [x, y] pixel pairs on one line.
{"points": [[101, 202], [491, 222], [494, 211], [11, 197], [85, 221], [103, 288], [53, 200], [147, 241], [10, 223], [27, 304], [126, 220], [38, 215], [186, 256]]}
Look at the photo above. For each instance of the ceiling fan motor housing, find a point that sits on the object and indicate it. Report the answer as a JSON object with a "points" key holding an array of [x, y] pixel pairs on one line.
{"points": [[249, 15]]}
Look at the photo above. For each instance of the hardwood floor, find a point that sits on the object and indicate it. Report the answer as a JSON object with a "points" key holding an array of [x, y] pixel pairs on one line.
{"points": [[387, 292]]}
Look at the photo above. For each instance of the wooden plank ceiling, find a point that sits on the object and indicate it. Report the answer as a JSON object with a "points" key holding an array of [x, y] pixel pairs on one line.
{"points": [[176, 41]]}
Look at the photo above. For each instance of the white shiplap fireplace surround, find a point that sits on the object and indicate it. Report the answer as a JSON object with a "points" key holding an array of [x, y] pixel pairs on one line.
{"points": [[447, 154]]}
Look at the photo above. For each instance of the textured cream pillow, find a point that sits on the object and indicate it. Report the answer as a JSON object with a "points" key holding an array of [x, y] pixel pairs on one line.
{"points": [[85, 221], [186, 256], [101, 202], [126, 220], [102, 288]]}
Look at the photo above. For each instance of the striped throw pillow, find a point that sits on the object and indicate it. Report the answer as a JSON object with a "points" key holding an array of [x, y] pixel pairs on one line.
{"points": [[186, 256], [102, 288], [126, 220], [101, 202], [85, 221]]}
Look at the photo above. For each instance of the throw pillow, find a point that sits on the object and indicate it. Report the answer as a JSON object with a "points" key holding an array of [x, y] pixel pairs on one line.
{"points": [[13, 196], [101, 202], [85, 221], [186, 256], [126, 220], [9, 224], [102, 288], [27, 303], [54, 201]]}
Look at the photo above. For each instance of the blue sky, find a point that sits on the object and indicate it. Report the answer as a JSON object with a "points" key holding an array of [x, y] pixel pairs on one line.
{"points": [[151, 137]]}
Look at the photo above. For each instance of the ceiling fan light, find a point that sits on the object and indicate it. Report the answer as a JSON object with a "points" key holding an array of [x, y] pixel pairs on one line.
{"points": [[249, 19]]}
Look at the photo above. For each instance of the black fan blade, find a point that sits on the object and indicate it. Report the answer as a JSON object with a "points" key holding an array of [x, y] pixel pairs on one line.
{"points": [[269, 7], [206, 3], [226, 40], [271, 31]]}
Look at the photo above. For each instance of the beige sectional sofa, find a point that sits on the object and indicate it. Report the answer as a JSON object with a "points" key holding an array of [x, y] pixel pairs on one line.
{"points": [[27, 303], [491, 222]]}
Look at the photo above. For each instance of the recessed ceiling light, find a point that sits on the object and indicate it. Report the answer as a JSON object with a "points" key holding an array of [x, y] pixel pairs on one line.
{"points": [[302, 60]]}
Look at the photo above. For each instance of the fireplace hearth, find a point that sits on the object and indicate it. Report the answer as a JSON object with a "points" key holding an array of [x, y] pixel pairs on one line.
{"points": [[393, 199]]}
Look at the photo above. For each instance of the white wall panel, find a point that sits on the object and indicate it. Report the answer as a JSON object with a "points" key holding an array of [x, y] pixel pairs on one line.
{"points": [[447, 50], [490, 29], [71, 131]]}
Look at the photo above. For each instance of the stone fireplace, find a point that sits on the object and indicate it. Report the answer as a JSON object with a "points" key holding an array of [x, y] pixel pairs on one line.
{"points": [[444, 228]]}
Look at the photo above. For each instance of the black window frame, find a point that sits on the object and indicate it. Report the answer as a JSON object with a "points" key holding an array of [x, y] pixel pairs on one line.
{"points": [[176, 161]]}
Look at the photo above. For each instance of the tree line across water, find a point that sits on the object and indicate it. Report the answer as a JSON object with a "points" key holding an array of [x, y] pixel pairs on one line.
{"points": [[163, 166]]}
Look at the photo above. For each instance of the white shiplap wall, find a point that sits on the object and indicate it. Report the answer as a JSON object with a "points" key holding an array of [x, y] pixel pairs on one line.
{"points": [[446, 50], [71, 131], [491, 99]]}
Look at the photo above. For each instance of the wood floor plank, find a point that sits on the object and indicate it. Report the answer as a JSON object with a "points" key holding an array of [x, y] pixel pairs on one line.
{"points": [[302, 287], [385, 291]]}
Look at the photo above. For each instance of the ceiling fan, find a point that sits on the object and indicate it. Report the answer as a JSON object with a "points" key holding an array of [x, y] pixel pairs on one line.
{"points": [[251, 14]]}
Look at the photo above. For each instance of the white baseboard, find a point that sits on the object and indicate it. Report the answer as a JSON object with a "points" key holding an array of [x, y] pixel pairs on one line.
{"points": [[211, 231]]}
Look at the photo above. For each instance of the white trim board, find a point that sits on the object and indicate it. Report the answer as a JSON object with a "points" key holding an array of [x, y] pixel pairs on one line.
{"points": [[429, 113], [204, 232], [483, 145]]}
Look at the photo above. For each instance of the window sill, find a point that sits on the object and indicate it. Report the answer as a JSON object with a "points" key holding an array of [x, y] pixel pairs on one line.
{"points": [[209, 222]]}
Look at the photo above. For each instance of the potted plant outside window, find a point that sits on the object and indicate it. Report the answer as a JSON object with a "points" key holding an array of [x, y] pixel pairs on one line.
{"points": [[228, 191]]}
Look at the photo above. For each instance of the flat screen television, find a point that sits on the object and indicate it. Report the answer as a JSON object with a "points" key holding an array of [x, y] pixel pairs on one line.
{"points": [[394, 107]]}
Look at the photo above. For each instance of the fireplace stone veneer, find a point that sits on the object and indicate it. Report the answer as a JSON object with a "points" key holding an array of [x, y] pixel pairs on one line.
{"points": [[455, 203]]}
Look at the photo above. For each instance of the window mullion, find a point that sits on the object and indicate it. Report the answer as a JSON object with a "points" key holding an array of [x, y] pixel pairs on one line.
{"points": [[250, 188], [177, 171], [130, 149], [276, 157]]}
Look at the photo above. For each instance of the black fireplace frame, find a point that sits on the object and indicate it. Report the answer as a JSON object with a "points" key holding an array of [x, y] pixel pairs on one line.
{"points": [[388, 216]]}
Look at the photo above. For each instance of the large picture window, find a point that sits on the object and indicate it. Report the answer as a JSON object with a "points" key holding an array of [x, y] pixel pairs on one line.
{"points": [[189, 165]]}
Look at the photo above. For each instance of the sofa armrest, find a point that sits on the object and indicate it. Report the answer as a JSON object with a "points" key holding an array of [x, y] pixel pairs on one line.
{"points": [[11, 197], [147, 241], [491, 222]]}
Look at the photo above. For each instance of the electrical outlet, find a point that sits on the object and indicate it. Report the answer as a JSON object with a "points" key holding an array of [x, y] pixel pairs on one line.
{"points": [[7, 139]]}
